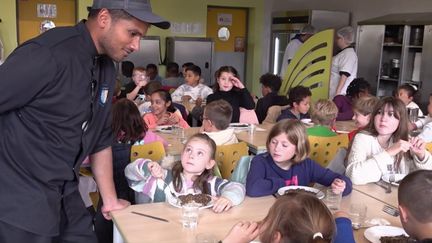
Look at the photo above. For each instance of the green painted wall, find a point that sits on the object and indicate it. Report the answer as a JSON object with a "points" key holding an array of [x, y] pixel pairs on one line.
{"points": [[8, 25], [174, 11]]}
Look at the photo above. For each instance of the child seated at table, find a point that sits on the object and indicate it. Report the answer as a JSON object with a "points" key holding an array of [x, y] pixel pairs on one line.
{"points": [[362, 109], [163, 111], [425, 124], [215, 122], [299, 99], [295, 217], [229, 88], [145, 105], [407, 93], [193, 174], [323, 114], [415, 197], [270, 85], [358, 88], [192, 89], [385, 146], [286, 164], [135, 88]]}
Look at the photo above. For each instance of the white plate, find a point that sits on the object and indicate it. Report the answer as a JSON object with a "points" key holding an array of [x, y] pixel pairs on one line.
{"points": [[307, 121], [319, 194], [239, 126], [342, 132], [373, 234], [398, 178], [165, 129], [177, 203]]}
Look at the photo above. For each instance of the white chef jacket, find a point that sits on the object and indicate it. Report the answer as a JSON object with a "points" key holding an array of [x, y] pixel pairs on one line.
{"points": [[290, 51], [344, 61]]}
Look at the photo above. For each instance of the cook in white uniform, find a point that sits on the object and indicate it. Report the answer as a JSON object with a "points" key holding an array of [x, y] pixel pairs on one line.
{"points": [[344, 64], [295, 43]]}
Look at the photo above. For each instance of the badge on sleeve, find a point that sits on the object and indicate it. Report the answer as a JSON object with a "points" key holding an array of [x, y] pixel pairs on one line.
{"points": [[103, 95]]}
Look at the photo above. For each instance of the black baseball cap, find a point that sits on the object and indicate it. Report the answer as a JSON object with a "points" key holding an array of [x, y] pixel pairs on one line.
{"points": [[140, 9]]}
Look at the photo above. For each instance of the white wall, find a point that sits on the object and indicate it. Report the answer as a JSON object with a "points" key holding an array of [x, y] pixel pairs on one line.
{"points": [[359, 9]]}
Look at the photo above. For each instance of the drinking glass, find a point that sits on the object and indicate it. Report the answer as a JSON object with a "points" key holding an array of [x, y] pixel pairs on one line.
{"points": [[252, 129], [190, 213], [180, 133], [332, 199], [413, 114], [357, 214]]}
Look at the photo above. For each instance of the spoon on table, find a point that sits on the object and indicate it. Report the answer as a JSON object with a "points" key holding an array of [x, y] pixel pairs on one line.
{"points": [[360, 226]]}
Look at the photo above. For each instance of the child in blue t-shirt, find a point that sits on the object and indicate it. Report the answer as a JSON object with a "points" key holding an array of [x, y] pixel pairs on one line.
{"points": [[286, 164]]}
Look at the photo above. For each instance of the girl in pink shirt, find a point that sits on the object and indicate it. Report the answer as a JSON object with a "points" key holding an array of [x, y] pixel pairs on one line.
{"points": [[128, 126], [163, 111]]}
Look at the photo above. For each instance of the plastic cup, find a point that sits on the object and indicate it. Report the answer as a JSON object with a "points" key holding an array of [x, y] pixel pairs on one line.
{"points": [[190, 213], [332, 199], [252, 129], [357, 214]]}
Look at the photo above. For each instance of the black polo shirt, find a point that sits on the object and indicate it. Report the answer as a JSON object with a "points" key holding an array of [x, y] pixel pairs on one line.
{"points": [[54, 111], [266, 102]]}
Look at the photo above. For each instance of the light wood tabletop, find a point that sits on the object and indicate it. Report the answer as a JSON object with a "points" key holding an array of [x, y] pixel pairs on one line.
{"points": [[135, 228], [256, 141], [379, 193]]}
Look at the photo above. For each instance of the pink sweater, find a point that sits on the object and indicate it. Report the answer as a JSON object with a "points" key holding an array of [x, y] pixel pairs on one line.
{"points": [[153, 137], [151, 120]]}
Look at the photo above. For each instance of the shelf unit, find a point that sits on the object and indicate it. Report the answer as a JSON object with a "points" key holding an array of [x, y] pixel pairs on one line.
{"points": [[396, 49]]}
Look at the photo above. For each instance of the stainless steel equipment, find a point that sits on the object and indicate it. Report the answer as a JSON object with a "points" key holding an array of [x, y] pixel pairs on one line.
{"points": [[149, 52], [197, 50], [403, 44]]}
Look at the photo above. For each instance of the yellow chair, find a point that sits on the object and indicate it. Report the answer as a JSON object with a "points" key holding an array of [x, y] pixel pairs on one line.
{"points": [[311, 66], [227, 157], [429, 147], [323, 149], [154, 151]]}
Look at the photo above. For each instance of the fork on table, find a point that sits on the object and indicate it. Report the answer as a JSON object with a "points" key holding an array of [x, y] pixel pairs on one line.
{"points": [[391, 210]]}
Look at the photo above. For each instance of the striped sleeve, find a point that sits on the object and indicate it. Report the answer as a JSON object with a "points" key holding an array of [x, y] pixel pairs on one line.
{"points": [[233, 191]]}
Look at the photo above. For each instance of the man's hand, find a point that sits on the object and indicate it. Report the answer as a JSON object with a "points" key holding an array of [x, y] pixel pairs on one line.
{"points": [[116, 205]]}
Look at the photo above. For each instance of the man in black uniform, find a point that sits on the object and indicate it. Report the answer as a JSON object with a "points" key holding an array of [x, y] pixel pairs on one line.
{"points": [[55, 111]]}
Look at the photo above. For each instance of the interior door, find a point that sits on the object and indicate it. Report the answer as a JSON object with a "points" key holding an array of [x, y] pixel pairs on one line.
{"points": [[32, 13], [230, 52]]}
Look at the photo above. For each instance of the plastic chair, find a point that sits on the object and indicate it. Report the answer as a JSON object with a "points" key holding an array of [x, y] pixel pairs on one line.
{"points": [[154, 151], [182, 110], [323, 149], [429, 147], [248, 116], [227, 157], [241, 170], [273, 113]]}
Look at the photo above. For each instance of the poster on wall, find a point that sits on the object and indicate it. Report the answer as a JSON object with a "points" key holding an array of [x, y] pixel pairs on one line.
{"points": [[46, 10], [224, 19], [239, 44]]}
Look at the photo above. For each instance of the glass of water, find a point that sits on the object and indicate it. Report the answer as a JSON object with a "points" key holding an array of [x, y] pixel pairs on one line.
{"points": [[357, 214], [332, 199], [190, 213]]}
